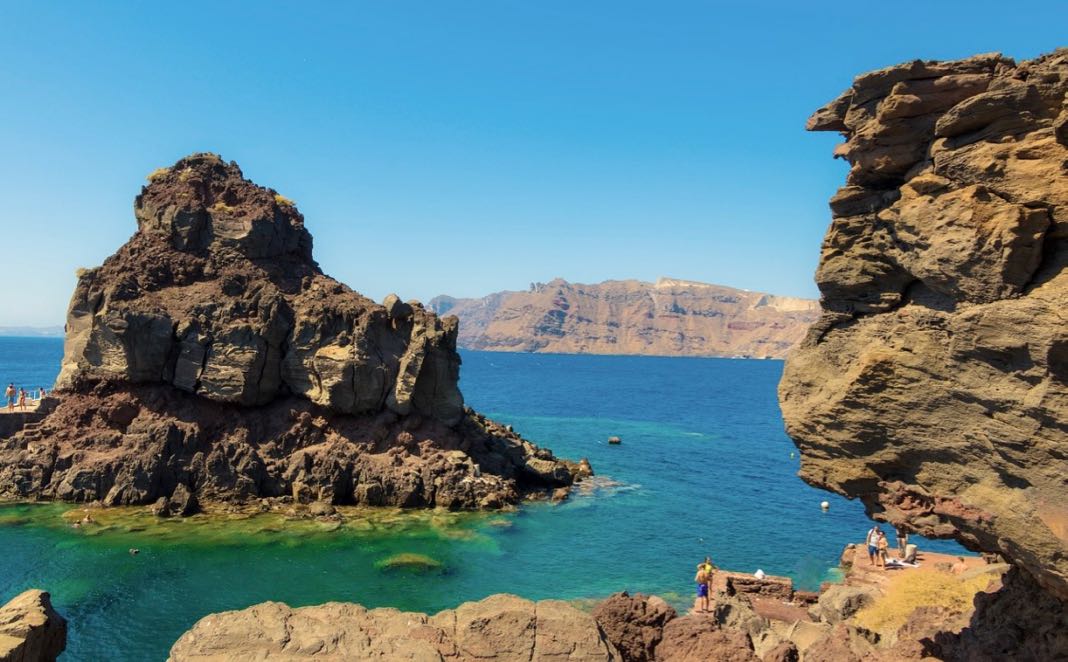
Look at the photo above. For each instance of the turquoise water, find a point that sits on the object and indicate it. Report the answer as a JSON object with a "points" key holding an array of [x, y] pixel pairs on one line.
{"points": [[704, 468]]}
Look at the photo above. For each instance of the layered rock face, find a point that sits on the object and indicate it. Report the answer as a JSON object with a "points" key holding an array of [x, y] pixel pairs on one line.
{"points": [[217, 294], [30, 629], [500, 627], [210, 354], [935, 385], [668, 318]]}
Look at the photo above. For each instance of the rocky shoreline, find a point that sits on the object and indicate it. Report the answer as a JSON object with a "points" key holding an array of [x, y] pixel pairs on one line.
{"points": [[211, 359], [126, 444], [750, 618]]}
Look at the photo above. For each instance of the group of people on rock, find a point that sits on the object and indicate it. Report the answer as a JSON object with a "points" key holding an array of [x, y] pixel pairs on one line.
{"points": [[879, 546], [16, 397]]}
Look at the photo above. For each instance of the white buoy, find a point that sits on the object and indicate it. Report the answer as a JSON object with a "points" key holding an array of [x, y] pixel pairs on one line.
{"points": [[825, 505]]}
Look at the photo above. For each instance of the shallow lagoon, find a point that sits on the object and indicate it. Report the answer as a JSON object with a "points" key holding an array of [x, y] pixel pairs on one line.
{"points": [[704, 468]]}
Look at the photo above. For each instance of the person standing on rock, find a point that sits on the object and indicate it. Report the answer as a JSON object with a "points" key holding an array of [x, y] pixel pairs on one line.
{"points": [[884, 546], [902, 541], [22, 399], [709, 572], [873, 543], [10, 395], [703, 579]]}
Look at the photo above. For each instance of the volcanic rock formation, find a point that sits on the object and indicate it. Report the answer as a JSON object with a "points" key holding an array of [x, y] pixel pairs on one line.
{"points": [[935, 385], [30, 629], [211, 355], [501, 627], [668, 318]]}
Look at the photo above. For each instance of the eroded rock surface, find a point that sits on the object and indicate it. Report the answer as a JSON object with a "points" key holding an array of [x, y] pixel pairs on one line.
{"points": [[210, 358], [217, 294], [935, 385], [693, 639], [501, 627], [30, 629], [634, 624]]}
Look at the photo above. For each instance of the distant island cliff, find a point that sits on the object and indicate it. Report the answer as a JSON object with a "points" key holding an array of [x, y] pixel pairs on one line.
{"points": [[668, 318], [31, 331]]}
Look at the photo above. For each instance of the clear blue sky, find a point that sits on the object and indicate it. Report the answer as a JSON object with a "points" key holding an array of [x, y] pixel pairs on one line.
{"points": [[460, 147]]}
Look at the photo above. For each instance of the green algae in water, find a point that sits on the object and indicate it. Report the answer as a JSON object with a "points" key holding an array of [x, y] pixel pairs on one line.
{"points": [[411, 562], [136, 524]]}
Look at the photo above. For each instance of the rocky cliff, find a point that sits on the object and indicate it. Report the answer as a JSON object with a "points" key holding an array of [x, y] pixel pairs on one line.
{"points": [[504, 628], [667, 318], [30, 629], [935, 385], [211, 355]]}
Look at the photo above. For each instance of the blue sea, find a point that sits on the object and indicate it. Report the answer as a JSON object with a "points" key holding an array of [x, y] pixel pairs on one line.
{"points": [[704, 469]]}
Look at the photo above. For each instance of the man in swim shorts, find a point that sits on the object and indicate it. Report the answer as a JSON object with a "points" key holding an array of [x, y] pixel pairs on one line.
{"points": [[702, 578], [10, 395], [873, 543]]}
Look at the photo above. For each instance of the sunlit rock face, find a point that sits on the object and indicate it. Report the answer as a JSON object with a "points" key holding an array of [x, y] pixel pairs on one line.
{"points": [[217, 294], [210, 358], [935, 385]]}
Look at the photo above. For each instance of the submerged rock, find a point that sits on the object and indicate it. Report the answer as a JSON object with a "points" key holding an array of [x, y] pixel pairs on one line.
{"points": [[30, 629], [210, 358], [409, 561], [935, 385]]}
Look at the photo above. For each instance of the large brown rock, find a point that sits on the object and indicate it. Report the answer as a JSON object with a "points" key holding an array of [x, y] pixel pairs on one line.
{"points": [[217, 294], [30, 629], [698, 639], [841, 601], [844, 644], [633, 623], [1019, 622], [935, 385], [210, 358], [501, 627]]}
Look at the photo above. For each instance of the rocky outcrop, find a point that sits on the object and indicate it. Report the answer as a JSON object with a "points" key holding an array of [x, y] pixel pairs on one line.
{"points": [[501, 627], [632, 628], [841, 601], [693, 639], [210, 358], [1019, 622], [668, 318], [634, 624], [935, 385], [217, 294], [30, 629]]}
